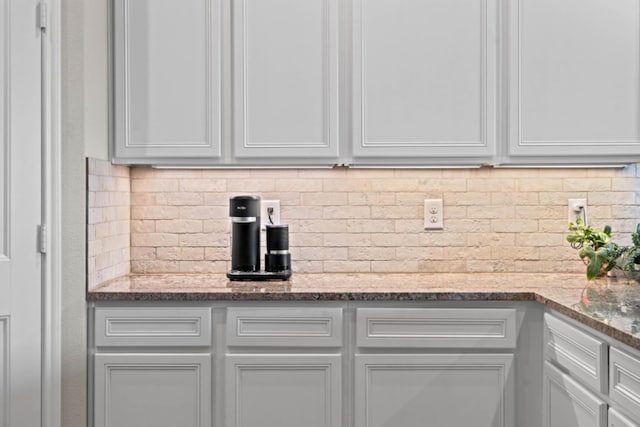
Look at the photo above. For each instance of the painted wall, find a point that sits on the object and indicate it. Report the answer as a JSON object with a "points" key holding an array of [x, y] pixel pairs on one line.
{"points": [[84, 133]]}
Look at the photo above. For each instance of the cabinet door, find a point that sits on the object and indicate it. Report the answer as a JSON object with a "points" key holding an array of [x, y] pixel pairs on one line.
{"points": [[435, 390], [568, 404], [424, 81], [618, 420], [283, 390], [285, 73], [152, 390], [574, 75], [166, 80]]}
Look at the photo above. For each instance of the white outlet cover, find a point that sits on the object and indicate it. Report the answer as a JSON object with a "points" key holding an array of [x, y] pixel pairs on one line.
{"points": [[433, 214], [264, 209]]}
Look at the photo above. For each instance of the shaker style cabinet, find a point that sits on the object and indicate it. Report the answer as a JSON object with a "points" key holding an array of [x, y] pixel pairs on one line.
{"points": [[439, 390], [271, 378], [166, 67], [574, 81], [568, 404], [152, 367], [424, 81], [154, 390], [284, 390], [397, 386], [285, 81], [375, 82]]}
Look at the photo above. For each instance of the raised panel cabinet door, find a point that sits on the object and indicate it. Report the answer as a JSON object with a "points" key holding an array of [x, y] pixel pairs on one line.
{"points": [[152, 390], [567, 404], [574, 80], [424, 81], [435, 390], [616, 419], [166, 67], [284, 390], [285, 75]]}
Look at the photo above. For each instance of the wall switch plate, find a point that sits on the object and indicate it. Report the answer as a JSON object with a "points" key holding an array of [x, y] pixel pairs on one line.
{"points": [[577, 208], [269, 213], [433, 214]]}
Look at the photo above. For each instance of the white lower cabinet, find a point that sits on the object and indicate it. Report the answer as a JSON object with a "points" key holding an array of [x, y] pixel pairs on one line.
{"points": [[283, 390], [438, 390], [152, 390], [568, 404], [616, 419]]}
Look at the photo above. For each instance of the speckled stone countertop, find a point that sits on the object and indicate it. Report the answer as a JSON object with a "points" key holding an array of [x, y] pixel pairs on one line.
{"points": [[606, 305]]}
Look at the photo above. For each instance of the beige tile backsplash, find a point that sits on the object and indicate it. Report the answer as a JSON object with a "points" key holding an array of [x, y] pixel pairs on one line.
{"points": [[108, 221], [370, 220]]}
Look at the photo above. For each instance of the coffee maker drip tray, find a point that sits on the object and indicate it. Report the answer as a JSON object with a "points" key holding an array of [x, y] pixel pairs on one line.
{"points": [[259, 275]]}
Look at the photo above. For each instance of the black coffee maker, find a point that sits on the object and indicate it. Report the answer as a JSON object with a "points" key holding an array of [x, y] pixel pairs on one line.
{"points": [[245, 243]]}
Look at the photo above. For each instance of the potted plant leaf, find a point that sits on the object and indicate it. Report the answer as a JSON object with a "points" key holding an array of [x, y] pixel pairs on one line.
{"points": [[595, 247]]}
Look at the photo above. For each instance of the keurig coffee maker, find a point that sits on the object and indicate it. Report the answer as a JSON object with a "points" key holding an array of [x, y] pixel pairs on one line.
{"points": [[245, 243]]}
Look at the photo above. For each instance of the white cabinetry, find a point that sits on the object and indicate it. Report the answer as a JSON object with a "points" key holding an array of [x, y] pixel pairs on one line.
{"points": [[285, 75], [166, 74], [285, 390], [152, 390], [582, 373], [438, 390], [279, 386], [574, 81], [405, 388], [424, 81], [568, 404], [375, 82], [143, 377]]}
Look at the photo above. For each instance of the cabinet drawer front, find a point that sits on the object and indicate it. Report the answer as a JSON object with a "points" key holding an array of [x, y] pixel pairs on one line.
{"points": [[151, 327], [284, 327], [624, 382], [618, 420], [582, 355], [436, 328]]}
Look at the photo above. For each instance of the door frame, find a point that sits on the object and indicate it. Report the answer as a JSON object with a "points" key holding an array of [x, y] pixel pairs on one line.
{"points": [[51, 216]]}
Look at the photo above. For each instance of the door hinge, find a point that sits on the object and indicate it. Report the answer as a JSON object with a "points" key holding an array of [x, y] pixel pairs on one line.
{"points": [[43, 16], [42, 238]]}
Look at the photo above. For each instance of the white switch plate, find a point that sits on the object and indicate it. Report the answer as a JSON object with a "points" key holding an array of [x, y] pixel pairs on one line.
{"points": [[573, 210], [433, 214], [264, 212]]}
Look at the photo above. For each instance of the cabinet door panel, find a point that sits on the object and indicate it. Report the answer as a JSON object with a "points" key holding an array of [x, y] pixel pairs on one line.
{"points": [[152, 390], [575, 77], [618, 420], [568, 404], [438, 390], [424, 78], [285, 78], [166, 79], [283, 390]]}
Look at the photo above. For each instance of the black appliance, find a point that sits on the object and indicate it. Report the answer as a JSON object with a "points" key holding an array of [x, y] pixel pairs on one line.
{"points": [[245, 243]]}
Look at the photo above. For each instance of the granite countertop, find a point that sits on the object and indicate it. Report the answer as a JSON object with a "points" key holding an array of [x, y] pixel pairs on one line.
{"points": [[606, 305]]}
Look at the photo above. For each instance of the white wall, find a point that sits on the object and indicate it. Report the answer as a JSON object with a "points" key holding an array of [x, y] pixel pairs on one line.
{"points": [[84, 133]]}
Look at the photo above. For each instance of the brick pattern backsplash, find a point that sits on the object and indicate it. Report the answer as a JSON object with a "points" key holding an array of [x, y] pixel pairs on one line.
{"points": [[108, 221], [371, 220]]}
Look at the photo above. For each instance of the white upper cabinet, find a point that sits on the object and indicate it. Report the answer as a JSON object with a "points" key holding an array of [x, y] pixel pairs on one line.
{"points": [[285, 81], [166, 68], [375, 82], [574, 81], [424, 81]]}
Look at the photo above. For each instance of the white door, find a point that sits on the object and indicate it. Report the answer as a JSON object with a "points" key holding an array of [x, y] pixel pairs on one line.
{"points": [[20, 204]]}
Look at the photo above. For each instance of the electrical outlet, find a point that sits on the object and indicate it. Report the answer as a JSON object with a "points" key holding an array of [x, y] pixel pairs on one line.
{"points": [[269, 213], [433, 214], [577, 208]]}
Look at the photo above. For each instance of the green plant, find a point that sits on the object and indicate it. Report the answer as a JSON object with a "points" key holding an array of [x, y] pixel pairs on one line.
{"points": [[595, 245], [632, 260]]}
